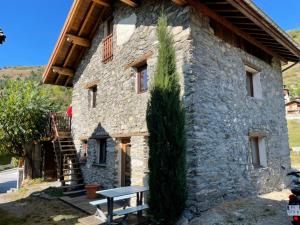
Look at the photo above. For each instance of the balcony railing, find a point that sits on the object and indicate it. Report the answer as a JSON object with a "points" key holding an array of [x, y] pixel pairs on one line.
{"points": [[107, 51], [59, 122]]}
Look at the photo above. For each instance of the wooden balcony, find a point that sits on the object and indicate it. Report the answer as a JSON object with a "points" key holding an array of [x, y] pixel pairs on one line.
{"points": [[59, 123], [107, 51]]}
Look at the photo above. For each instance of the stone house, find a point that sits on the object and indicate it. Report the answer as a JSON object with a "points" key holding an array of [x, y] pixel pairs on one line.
{"points": [[229, 55], [293, 107]]}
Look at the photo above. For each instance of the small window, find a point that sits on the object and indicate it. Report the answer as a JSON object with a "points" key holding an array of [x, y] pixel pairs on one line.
{"points": [[142, 79], [101, 151], [84, 151], [109, 26], [249, 78], [258, 151], [93, 97], [253, 83]]}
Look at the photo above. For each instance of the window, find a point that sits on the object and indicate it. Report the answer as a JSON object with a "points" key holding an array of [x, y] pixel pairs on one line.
{"points": [[83, 151], [249, 77], [101, 151], [253, 84], [93, 97], [258, 151], [142, 79], [109, 27]]}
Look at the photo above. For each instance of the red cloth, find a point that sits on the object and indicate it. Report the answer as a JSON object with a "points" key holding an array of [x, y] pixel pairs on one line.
{"points": [[70, 111]]}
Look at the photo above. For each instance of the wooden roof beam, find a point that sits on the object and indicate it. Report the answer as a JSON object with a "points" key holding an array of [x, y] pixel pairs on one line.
{"points": [[102, 3], [63, 71], [226, 23], [78, 40], [130, 3], [179, 2], [260, 21]]}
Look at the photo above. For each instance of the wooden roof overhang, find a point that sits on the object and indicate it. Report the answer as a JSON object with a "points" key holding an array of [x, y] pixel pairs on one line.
{"points": [[240, 16]]}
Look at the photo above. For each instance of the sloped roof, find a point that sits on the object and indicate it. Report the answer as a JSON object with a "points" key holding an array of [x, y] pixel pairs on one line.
{"points": [[241, 16]]}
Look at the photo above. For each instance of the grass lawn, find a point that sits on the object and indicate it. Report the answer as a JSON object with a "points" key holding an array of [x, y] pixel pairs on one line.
{"points": [[295, 158], [294, 133]]}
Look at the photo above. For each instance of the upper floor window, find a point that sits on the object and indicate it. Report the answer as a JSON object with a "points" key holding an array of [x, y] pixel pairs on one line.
{"points": [[107, 51], [93, 96], [101, 151], [253, 84], [142, 79]]}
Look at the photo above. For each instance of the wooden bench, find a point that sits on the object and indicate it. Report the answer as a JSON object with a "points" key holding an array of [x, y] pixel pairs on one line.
{"points": [[116, 199], [125, 212], [99, 213]]}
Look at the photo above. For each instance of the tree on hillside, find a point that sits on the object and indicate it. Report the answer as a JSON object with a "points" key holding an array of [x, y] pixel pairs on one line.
{"points": [[60, 95], [166, 126], [25, 107], [2, 36]]}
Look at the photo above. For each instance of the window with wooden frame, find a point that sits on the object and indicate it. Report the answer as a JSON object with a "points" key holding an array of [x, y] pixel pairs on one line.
{"points": [[101, 151], [92, 96], [107, 51], [258, 151], [253, 83], [142, 78]]}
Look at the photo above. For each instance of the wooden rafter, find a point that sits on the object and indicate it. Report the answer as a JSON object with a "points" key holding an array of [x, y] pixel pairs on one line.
{"points": [[180, 2], [130, 3], [63, 71], [78, 40], [226, 23], [260, 21], [102, 3]]}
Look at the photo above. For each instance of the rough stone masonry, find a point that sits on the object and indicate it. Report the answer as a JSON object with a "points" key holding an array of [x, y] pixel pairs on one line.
{"points": [[220, 115]]}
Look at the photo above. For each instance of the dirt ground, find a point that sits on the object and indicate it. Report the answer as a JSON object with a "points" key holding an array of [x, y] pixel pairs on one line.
{"points": [[37, 211], [269, 209], [23, 207]]}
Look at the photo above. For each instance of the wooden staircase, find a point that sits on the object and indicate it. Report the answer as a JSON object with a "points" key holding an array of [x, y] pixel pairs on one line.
{"points": [[68, 165]]}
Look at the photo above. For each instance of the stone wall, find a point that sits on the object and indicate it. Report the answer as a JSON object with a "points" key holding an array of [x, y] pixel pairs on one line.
{"points": [[120, 110], [220, 116]]}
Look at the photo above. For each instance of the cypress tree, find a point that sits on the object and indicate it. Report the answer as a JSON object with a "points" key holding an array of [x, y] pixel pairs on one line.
{"points": [[166, 126]]}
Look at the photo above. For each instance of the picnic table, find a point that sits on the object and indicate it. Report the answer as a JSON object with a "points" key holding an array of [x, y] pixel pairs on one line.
{"points": [[111, 194]]}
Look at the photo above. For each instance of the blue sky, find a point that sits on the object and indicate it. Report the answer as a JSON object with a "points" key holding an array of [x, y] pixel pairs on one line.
{"points": [[33, 26]]}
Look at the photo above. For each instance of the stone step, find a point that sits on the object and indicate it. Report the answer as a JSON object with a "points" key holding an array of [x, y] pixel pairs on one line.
{"points": [[71, 154], [75, 163], [74, 169], [74, 192], [67, 150], [74, 180], [73, 186], [78, 173], [67, 146]]}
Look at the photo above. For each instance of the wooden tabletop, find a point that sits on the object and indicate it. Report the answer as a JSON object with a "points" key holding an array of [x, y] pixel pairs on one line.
{"points": [[116, 192]]}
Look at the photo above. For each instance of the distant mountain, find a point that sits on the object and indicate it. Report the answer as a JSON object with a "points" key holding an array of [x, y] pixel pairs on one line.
{"points": [[61, 95], [291, 78], [21, 72]]}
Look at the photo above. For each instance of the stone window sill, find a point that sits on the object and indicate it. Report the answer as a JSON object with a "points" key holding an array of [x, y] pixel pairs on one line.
{"points": [[100, 164]]}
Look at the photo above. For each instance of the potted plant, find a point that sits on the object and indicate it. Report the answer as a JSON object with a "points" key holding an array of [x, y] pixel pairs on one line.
{"points": [[91, 190]]}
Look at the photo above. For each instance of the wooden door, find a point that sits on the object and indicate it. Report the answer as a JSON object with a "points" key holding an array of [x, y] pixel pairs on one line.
{"points": [[125, 162]]}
